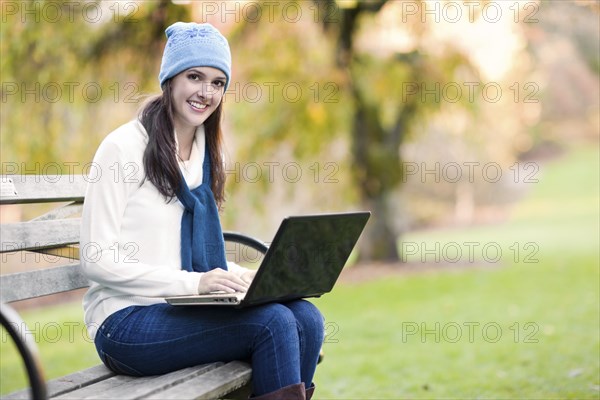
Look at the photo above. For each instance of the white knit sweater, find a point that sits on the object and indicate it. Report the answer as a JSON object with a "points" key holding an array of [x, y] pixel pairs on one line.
{"points": [[130, 237]]}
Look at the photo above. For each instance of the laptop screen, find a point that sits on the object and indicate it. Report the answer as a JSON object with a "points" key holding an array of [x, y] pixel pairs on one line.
{"points": [[307, 256]]}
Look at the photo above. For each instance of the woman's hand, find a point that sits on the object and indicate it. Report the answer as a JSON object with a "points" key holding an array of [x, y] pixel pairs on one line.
{"points": [[220, 280], [248, 276]]}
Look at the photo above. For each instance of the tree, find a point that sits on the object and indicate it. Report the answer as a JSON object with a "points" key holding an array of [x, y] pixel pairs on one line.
{"points": [[71, 72], [377, 137], [379, 99]]}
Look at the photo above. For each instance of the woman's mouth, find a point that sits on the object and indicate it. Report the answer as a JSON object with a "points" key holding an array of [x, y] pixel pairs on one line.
{"points": [[197, 106]]}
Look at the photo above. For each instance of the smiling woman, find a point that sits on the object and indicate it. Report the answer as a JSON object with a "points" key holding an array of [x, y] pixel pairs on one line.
{"points": [[196, 92], [169, 211]]}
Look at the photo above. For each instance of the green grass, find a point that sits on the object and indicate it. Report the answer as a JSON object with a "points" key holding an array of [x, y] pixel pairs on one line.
{"points": [[504, 330], [61, 338], [519, 327], [503, 333]]}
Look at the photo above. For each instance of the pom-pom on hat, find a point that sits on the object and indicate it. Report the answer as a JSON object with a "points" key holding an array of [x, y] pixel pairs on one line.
{"points": [[194, 45]]}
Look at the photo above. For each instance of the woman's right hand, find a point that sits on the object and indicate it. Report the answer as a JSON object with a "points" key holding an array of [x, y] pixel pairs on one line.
{"points": [[220, 280]]}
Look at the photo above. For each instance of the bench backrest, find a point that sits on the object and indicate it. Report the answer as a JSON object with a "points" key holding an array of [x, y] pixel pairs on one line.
{"points": [[54, 233]]}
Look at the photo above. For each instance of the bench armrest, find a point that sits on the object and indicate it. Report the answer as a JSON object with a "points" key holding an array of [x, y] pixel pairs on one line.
{"points": [[16, 328], [245, 240]]}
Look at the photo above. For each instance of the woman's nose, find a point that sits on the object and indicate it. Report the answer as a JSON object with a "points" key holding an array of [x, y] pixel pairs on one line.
{"points": [[206, 90]]}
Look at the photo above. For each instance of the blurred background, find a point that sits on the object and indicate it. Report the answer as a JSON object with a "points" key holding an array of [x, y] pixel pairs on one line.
{"points": [[468, 128]]}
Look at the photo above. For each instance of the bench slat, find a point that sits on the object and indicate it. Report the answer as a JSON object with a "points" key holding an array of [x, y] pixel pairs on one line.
{"points": [[215, 383], [35, 235], [78, 380], [98, 389], [42, 188], [129, 388], [68, 383], [143, 387], [30, 284], [62, 212]]}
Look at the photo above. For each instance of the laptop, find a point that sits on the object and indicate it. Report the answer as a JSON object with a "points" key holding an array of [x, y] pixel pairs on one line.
{"points": [[304, 260]]}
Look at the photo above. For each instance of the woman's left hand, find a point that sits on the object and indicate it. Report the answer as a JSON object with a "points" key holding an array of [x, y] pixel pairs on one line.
{"points": [[248, 276]]}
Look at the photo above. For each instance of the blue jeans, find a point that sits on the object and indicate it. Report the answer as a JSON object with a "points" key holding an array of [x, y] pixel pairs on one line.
{"points": [[282, 341]]}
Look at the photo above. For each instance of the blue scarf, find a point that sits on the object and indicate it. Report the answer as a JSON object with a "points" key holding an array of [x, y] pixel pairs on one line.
{"points": [[202, 245]]}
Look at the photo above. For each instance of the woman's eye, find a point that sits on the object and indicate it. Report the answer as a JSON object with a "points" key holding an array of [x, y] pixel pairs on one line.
{"points": [[219, 83], [194, 77]]}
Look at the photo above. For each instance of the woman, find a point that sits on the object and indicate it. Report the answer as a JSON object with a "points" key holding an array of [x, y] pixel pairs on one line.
{"points": [[150, 229]]}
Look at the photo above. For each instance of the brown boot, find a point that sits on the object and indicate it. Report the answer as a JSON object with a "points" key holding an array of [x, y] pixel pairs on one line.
{"points": [[310, 391], [291, 392]]}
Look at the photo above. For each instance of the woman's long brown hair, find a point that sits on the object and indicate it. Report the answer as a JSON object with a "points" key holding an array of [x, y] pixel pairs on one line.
{"points": [[160, 156]]}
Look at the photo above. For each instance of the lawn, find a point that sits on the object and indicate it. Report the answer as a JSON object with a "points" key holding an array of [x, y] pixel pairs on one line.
{"points": [[521, 325]]}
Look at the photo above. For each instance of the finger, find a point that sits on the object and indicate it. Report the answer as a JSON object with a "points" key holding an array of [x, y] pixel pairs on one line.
{"points": [[224, 288], [229, 288], [229, 283], [236, 283], [226, 281], [239, 286], [246, 279], [249, 275]]}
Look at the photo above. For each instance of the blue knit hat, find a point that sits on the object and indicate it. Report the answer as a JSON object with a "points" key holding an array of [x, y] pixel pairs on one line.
{"points": [[194, 45]]}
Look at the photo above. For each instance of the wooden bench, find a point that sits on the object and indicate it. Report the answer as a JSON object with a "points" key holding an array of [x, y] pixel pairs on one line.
{"points": [[56, 233]]}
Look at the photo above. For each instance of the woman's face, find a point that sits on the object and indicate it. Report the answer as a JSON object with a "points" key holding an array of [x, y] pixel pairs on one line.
{"points": [[196, 93]]}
